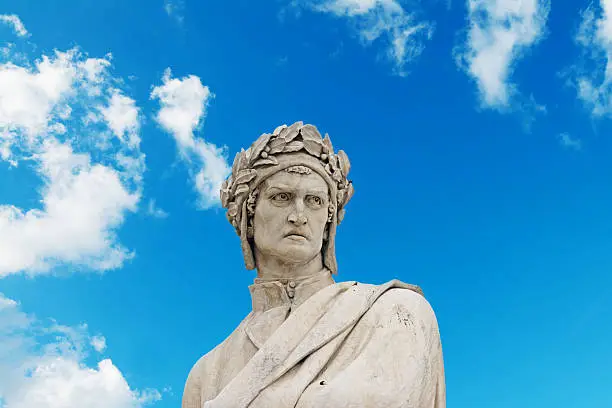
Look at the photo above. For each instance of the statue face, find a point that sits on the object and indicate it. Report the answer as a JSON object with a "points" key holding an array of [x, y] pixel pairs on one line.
{"points": [[290, 217]]}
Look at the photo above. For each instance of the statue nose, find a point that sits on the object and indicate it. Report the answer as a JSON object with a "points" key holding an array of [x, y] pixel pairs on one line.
{"points": [[297, 218]]}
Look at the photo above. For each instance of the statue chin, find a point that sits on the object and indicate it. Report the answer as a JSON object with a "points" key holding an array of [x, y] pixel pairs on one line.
{"points": [[291, 250], [295, 253]]}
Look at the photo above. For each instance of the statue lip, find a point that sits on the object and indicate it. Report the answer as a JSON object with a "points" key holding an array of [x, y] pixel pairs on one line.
{"points": [[296, 234]]}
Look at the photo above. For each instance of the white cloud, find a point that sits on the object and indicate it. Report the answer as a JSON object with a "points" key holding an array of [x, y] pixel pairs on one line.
{"points": [[82, 205], [28, 96], [594, 86], [91, 171], [183, 103], [15, 22], [42, 364], [122, 117], [500, 32], [98, 343], [183, 106], [382, 19], [569, 142], [155, 211]]}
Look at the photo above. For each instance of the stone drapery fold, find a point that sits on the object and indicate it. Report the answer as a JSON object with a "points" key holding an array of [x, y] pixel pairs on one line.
{"points": [[347, 345]]}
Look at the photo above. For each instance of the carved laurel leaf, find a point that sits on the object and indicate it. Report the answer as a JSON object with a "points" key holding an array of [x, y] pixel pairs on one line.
{"points": [[232, 211], [333, 161], [279, 129], [259, 146], [341, 215], [277, 145], [313, 147], [309, 132], [245, 176], [294, 146], [239, 201], [292, 131], [241, 189], [337, 176], [327, 143], [237, 159], [224, 194], [345, 164], [340, 197], [269, 160], [230, 183], [349, 193]]}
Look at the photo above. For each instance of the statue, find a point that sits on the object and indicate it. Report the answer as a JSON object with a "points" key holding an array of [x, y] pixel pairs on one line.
{"points": [[310, 342]]}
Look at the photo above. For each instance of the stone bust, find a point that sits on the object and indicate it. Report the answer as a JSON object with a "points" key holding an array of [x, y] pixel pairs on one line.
{"points": [[310, 342]]}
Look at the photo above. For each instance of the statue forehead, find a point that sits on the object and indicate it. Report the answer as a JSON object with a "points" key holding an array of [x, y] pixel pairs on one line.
{"points": [[291, 179]]}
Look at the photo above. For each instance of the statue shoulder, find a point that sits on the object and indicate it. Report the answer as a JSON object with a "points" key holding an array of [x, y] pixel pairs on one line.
{"points": [[406, 301], [200, 371], [203, 378], [396, 295], [392, 284]]}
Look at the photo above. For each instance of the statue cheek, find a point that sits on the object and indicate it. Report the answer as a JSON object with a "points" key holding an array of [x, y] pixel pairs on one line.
{"points": [[320, 219], [269, 215]]}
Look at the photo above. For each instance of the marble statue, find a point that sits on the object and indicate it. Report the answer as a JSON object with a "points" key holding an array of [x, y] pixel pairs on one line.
{"points": [[310, 342]]}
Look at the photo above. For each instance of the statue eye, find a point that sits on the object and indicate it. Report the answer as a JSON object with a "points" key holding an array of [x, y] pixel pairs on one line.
{"points": [[315, 200], [281, 197]]}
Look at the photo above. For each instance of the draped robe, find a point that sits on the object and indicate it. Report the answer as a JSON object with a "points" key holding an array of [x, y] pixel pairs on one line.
{"points": [[315, 343]]}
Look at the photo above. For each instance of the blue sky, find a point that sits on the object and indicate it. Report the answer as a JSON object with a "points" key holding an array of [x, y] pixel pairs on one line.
{"points": [[478, 133]]}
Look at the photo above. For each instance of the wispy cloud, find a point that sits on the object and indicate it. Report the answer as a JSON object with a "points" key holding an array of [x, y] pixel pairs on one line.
{"points": [[402, 32], [594, 85], [98, 342], [154, 211], [499, 33], [65, 116], [183, 105], [175, 9], [43, 364], [121, 115], [568, 142], [282, 61], [15, 22]]}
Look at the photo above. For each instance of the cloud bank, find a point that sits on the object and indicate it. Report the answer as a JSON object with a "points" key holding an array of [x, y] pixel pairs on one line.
{"points": [[43, 364], [65, 118]]}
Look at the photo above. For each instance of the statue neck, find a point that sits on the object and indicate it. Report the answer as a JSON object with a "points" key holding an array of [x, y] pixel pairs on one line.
{"points": [[272, 268]]}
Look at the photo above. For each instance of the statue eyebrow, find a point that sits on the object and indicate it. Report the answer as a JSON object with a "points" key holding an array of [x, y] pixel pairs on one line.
{"points": [[278, 187], [284, 187], [318, 191]]}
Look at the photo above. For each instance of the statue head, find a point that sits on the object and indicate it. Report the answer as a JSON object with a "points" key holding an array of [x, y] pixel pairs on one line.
{"points": [[286, 195]]}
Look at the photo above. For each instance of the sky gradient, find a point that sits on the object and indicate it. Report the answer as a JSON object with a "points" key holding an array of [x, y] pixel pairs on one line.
{"points": [[479, 137]]}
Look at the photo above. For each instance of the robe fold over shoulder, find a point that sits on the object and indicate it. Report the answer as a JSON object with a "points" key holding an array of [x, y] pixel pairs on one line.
{"points": [[347, 345]]}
